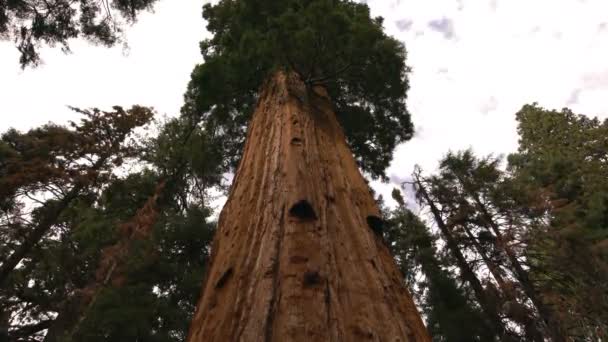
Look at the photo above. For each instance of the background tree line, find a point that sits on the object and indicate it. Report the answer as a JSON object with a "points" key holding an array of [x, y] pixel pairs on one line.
{"points": [[513, 253], [105, 231], [105, 227]]}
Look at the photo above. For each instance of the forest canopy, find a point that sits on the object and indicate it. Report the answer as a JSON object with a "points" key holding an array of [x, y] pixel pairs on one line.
{"points": [[535, 229]]}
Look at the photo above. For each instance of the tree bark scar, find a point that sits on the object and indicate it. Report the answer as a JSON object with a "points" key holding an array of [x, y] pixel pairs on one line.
{"points": [[328, 303], [296, 142], [376, 224], [272, 308], [224, 278], [303, 211]]}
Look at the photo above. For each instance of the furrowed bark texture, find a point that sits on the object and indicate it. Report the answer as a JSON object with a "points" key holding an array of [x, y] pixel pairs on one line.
{"points": [[294, 257]]}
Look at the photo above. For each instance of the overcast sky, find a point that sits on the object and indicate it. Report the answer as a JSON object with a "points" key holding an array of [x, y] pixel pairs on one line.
{"points": [[475, 63]]}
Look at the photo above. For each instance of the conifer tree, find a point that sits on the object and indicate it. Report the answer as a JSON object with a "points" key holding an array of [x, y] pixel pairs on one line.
{"points": [[561, 168], [56, 294], [64, 163], [478, 204], [289, 89], [430, 195], [533, 231], [450, 314]]}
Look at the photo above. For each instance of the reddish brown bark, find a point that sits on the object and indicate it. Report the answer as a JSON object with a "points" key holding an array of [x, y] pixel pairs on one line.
{"points": [[294, 258]]}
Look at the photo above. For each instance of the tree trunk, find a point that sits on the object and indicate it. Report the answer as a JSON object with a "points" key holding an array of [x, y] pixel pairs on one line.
{"points": [[296, 256], [492, 266], [488, 306]]}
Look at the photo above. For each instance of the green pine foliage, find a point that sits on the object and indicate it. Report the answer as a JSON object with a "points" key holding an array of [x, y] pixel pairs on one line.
{"points": [[563, 160], [33, 24], [155, 293], [329, 43], [535, 231], [450, 315], [163, 278]]}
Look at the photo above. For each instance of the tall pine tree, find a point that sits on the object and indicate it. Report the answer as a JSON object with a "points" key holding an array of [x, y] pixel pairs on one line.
{"points": [[450, 314]]}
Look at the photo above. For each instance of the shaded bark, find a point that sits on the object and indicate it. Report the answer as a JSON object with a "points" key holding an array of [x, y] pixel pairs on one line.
{"points": [[295, 257], [4, 325], [489, 308]]}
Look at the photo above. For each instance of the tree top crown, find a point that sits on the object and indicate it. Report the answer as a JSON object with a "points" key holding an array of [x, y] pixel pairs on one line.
{"points": [[329, 43]]}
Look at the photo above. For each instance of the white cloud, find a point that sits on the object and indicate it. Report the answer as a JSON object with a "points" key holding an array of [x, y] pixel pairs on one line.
{"points": [[404, 24], [508, 53], [444, 26], [488, 106]]}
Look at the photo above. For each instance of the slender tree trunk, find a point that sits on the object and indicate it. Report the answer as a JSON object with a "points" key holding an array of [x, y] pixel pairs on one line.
{"points": [[494, 269], [295, 257], [489, 308], [5, 316], [546, 313]]}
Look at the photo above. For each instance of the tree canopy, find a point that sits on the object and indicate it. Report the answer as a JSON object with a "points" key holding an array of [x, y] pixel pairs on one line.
{"points": [[534, 233], [563, 161], [329, 43], [34, 23], [123, 181]]}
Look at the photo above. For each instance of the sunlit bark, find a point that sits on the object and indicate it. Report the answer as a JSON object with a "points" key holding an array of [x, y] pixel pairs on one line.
{"points": [[297, 256]]}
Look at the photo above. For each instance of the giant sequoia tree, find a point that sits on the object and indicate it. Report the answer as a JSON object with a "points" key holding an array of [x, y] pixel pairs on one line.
{"points": [[289, 89]]}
